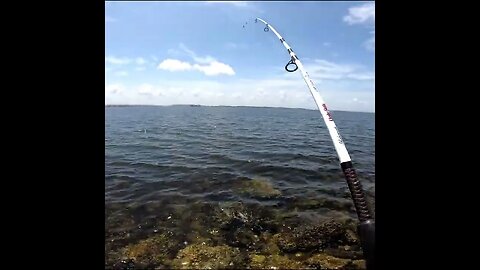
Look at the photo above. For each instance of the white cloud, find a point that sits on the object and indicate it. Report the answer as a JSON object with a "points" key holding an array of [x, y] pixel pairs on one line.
{"points": [[140, 61], [324, 70], [370, 44], [117, 61], [344, 86], [206, 64], [215, 68], [121, 73], [358, 102], [216, 93], [148, 89], [202, 60], [212, 69], [110, 19], [366, 76], [275, 92], [361, 14], [113, 88], [365, 15], [125, 60], [114, 93], [174, 65], [243, 5]]}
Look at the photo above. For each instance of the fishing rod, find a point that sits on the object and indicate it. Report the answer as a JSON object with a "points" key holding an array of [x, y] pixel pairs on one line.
{"points": [[366, 228]]}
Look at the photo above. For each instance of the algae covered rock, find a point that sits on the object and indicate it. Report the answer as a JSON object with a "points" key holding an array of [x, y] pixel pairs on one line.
{"points": [[359, 264], [269, 246], [232, 216], [324, 261], [345, 252], [351, 237], [306, 203], [259, 188], [243, 237], [152, 251], [199, 256], [274, 262], [309, 238]]}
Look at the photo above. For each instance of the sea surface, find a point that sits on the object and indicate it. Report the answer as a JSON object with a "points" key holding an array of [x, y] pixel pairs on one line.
{"points": [[171, 169]]}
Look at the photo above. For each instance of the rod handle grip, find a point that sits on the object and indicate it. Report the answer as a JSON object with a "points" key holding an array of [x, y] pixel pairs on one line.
{"points": [[366, 232]]}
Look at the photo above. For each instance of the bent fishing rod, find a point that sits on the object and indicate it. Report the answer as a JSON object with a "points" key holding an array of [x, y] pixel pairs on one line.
{"points": [[366, 228]]}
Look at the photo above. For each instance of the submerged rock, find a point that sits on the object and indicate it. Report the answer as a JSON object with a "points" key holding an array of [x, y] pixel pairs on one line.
{"points": [[219, 235], [151, 252], [259, 188], [244, 238], [200, 256], [124, 265], [274, 262], [351, 236], [241, 225], [302, 203], [269, 246], [345, 252], [309, 238], [238, 215], [324, 261], [359, 264]]}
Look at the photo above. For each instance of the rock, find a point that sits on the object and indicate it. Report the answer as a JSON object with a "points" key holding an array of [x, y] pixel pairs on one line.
{"points": [[257, 259], [259, 188], [302, 203], [351, 237], [152, 251], [274, 262], [359, 264], [208, 257], [341, 252], [238, 215], [124, 265], [324, 261], [269, 244], [310, 238], [244, 238]]}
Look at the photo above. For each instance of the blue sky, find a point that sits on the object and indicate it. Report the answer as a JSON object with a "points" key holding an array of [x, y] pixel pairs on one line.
{"points": [[165, 53]]}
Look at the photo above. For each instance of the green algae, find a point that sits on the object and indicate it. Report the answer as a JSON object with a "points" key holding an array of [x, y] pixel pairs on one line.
{"points": [[324, 261], [314, 237], [274, 262], [241, 235], [152, 251], [202, 256], [259, 188]]}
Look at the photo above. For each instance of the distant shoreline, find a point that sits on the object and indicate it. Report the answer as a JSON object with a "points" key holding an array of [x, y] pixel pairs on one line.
{"points": [[228, 106]]}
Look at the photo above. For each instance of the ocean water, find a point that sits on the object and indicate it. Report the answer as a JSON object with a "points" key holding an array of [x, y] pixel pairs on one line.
{"points": [[168, 169]]}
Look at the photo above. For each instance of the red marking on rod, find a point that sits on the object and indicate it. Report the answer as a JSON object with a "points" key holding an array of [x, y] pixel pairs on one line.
{"points": [[328, 113]]}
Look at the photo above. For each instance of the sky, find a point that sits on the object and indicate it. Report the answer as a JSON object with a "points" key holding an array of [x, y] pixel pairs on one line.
{"points": [[213, 53]]}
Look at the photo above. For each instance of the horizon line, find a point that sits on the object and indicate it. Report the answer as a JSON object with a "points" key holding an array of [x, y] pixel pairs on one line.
{"points": [[200, 105]]}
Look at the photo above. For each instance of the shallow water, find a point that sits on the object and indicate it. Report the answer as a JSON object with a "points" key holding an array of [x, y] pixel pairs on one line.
{"points": [[172, 169]]}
